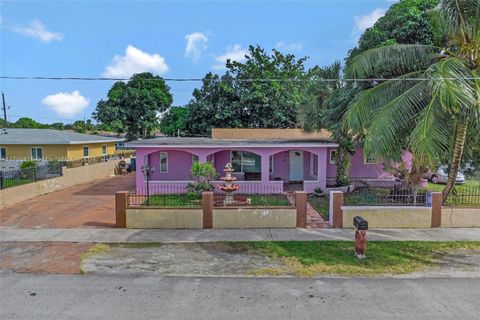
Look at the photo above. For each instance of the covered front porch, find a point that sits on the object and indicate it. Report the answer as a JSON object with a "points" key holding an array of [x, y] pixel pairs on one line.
{"points": [[265, 169]]}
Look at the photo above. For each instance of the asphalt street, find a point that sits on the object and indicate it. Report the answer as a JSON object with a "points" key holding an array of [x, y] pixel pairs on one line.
{"points": [[129, 296]]}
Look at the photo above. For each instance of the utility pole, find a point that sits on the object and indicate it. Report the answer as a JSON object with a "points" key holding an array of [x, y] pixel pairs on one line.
{"points": [[5, 124]]}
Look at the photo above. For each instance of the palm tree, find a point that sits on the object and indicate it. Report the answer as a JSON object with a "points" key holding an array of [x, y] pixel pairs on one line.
{"points": [[323, 107], [431, 98]]}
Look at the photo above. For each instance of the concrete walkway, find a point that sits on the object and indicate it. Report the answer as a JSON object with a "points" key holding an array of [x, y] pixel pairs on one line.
{"points": [[186, 236]]}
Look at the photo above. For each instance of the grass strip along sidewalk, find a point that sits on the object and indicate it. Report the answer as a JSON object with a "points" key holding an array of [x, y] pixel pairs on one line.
{"points": [[337, 257], [298, 258]]}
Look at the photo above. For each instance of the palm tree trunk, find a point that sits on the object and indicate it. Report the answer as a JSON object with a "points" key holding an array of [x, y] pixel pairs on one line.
{"points": [[456, 158]]}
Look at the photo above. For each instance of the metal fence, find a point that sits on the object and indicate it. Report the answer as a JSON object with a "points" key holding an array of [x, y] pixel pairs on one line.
{"points": [[180, 200], [255, 200], [19, 177], [469, 197], [386, 197]]}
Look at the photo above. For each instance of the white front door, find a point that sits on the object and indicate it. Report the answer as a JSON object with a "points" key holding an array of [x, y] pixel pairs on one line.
{"points": [[296, 165]]}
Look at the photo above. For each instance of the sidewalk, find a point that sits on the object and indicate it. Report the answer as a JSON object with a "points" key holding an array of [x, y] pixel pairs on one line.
{"points": [[212, 235]]}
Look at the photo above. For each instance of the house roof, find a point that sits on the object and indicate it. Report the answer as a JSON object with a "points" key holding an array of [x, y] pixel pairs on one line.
{"points": [[49, 136], [209, 142]]}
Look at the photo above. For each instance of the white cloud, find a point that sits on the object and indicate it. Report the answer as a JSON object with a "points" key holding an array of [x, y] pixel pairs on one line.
{"points": [[234, 53], [286, 46], [36, 29], [367, 21], [67, 104], [196, 44], [135, 61]]}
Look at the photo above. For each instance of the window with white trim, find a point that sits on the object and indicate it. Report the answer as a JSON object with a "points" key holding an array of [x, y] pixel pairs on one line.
{"points": [[104, 149], [86, 151], [333, 154], [37, 153], [163, 162], [3, 153], [312, 164], [244, 161]]}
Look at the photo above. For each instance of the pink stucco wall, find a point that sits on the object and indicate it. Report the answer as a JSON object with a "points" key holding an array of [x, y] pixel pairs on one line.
{"points": [[180, 161], [359, 169]]}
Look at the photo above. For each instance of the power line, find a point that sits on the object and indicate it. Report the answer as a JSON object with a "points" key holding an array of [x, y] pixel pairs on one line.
{"points": [[235, 79]]}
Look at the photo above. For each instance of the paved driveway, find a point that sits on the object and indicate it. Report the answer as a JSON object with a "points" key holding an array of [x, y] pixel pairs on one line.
{"points": [[87, 205]]}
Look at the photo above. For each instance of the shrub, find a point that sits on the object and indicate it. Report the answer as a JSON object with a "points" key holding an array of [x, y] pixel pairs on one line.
{"points": [[203, 174], [28, 164], [318, 190]]}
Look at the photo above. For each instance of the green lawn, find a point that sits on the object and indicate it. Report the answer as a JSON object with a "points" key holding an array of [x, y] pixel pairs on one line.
{"points": [[8, 182], [175, 200], [337, 257], [459, 187], [193, 200], [467, 194]]}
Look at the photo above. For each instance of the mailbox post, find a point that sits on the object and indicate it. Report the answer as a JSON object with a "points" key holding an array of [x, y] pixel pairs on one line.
{"points": [[361, 227]]}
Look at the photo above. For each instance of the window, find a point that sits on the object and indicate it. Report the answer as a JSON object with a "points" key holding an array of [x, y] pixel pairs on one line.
{"points": [[370, 159], [243, 161], [312, 164], [85, 151], [104, 149], [3, 153], [270, 164], [333, 154], [163, 162], [194, 158], [37, 153]]}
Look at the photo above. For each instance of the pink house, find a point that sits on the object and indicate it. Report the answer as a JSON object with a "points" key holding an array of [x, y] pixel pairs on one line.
{"points": [[265, 160]]}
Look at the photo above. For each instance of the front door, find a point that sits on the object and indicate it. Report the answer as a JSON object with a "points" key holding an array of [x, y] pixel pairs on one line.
{"points": [[296, 165]]}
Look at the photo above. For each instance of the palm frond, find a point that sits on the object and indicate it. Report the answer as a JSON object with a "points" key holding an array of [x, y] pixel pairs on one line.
{"points": [[429, 140], [394, 121], [396, 59], [452, 81], [460, 15], [362, 110]]}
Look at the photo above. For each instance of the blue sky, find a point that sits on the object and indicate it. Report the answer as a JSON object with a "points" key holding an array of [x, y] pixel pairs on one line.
{"points": [[175, 39]]}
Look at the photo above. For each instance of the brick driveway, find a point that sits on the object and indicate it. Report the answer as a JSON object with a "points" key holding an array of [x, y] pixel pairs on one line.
{"points": [[87, 205]]}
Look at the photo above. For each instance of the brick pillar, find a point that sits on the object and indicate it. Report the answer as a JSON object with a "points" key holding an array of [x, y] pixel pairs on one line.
{"points": [[207, 205], [301, 206], [436, 209], [121, 201], [336, 213]]}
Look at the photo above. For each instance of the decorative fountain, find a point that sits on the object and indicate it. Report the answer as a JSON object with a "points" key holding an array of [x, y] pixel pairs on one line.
{"points": [[229, 187]]}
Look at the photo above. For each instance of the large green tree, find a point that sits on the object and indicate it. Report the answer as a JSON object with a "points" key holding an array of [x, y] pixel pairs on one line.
{"points": [[433, 98], [173, 121], [133, 107], [261, 92], [405, 22], [323, 107]]}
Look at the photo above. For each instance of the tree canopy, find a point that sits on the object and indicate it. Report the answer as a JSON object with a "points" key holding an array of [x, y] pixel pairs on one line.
{"points": [[133, 107], [258, 93], [430, 115], [173, 121]]}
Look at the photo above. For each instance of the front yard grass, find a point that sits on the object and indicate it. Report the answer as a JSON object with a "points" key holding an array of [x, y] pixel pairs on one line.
{"points": [[337, 257], [194, 200]]}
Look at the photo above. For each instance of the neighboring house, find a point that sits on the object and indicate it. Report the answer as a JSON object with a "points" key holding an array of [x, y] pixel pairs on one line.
{"points": [[49, 144], [266, 160]]}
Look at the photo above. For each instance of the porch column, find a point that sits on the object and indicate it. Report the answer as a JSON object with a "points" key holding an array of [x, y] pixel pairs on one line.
{"points": [[322, 168], [265, 168]]}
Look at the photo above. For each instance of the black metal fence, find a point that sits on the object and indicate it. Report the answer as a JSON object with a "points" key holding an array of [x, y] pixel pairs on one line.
{"points": [[468, 197], [19, 177], [386, 197], [254, 200], [173, 200]]}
